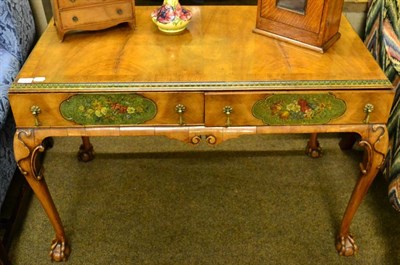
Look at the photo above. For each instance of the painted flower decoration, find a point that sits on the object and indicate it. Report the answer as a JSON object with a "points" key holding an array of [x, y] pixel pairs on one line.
{"points": [[287, 109], [296, 109], [183, 13], [108, 109], [171, 17], [164, 14], [168, 13]]}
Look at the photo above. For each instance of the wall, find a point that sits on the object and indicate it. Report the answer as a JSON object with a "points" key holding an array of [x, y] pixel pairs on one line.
{"points": [[356, 12], [42, 12]]}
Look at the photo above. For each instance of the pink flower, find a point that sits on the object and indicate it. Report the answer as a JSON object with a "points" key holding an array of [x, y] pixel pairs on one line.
{"points": [[185, 14], [165, 14]]}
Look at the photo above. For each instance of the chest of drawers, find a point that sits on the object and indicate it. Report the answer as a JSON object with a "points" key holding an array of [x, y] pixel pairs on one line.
{"points": [[73, 15]]}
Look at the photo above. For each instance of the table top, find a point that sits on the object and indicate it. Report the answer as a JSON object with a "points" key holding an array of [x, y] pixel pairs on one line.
{"points": [[218, 51]]}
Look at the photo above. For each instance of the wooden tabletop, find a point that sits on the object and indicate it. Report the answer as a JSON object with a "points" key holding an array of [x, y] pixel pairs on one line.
{"points": [[218, 51]]}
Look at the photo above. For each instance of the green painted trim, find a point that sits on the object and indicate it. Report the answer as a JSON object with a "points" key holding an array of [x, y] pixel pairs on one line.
{"points": [[196, 86], [298, 109], [108, 109]]}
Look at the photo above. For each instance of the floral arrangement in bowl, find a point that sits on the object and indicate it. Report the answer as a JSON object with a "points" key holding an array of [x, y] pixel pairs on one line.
{"points": [[171, 17]]}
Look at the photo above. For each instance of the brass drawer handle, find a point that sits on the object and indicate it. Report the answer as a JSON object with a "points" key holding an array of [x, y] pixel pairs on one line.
{"points": [[35, 110], [227, 110], [368, 108], [180, 109], [120, 11], [75, 19]]}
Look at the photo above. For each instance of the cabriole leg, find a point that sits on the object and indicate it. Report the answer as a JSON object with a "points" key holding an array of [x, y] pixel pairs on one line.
{"points": [[27, 149], [375, 142], [313, 148], [86, 152]]}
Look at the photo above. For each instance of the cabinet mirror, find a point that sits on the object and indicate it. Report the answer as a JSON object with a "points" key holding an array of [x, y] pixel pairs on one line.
{"points": [[298, 6]]}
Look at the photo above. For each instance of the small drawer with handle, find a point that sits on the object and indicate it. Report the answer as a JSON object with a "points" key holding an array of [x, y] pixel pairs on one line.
{"points": [[81, 17], [108, 109], [296, 108], [79, 3]]}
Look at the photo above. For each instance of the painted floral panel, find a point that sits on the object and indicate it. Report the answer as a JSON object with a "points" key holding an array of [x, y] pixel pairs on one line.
{"points": [[108, 109], [298, 109]]}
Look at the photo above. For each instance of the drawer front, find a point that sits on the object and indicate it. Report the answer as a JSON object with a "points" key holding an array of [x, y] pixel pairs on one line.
{"points": [[122, 109], [80, 3], [280, 109], [96, 14]]}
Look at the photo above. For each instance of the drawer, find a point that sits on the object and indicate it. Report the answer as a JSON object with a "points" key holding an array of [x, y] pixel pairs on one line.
{"points": [[145, 109], [96, 14], [79, 3], [296, 108]]}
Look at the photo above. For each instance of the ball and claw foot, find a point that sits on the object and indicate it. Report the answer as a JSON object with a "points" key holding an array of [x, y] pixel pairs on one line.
{"points": [[314, 151], [85, 154], [59, 251], [346, 246]]}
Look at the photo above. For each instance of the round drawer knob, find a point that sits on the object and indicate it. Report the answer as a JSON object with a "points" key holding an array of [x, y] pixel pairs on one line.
{"points": [[75, 19], [120, 11]]}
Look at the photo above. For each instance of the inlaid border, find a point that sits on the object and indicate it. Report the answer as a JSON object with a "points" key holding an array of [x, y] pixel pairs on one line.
{"points": [[204, 86]]}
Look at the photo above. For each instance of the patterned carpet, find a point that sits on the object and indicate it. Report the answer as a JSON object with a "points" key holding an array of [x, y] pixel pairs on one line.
{"points": [[253, 200]]}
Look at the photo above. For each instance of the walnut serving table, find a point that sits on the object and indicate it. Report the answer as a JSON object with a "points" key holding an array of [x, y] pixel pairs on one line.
{"points": [[214, 82]]}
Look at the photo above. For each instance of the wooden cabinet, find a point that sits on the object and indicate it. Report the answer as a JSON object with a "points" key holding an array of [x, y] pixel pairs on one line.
{"points": [[72, 15], [312, 24]]}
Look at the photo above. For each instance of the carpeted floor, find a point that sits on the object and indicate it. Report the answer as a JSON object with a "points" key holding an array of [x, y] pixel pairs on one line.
{"points": [[251, 200]]}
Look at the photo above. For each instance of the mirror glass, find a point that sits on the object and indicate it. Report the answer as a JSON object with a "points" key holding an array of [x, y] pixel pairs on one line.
{"points": [[298, 6]]}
